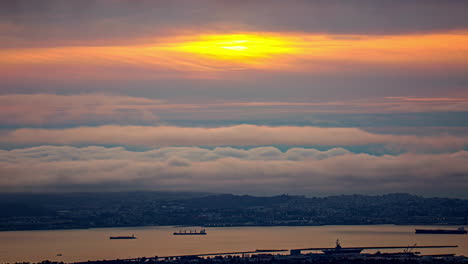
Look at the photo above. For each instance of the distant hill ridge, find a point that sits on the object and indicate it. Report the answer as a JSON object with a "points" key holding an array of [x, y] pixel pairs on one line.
{"points": [[21, 211]]}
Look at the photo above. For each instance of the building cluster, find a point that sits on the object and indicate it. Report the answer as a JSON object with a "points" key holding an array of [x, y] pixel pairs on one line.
{"points": [[61, 211]]}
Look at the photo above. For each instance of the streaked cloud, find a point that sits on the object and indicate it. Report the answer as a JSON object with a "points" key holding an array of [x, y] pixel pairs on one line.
{"points": [[437, 99], [96, 109], [50, 109], [86, 21], [217, 53]]}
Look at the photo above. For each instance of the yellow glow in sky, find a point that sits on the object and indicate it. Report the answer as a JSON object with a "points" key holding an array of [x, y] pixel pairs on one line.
{"points": [[244, 47], [206, 53]]}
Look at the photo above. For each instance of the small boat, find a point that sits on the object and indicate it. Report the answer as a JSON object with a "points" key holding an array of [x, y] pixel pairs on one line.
{"points": [[460, 230], [123, 237], [190, 233]]}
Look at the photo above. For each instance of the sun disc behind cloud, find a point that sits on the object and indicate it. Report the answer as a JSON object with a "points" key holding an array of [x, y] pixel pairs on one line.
{"points": [[238, 47]]}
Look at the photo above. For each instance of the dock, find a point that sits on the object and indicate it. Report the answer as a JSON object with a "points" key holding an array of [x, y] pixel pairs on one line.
{"points": [[339, 249], [331, 253]]}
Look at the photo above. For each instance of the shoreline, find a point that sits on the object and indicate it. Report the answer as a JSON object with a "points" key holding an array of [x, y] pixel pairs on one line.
{"points": [[222, 226]]}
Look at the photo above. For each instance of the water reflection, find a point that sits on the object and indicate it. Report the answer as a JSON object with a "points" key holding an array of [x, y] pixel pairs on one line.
{"points": [[93, 244]]}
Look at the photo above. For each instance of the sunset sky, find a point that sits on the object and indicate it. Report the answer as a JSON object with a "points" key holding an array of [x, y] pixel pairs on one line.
{"points": [[247, 97]]}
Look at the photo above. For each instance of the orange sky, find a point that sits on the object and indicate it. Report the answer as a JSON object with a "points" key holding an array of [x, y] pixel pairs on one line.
{"points": [[254, 50]]}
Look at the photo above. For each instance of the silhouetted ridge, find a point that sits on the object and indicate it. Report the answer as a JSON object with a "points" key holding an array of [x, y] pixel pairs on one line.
{"points": [[85, 210]]}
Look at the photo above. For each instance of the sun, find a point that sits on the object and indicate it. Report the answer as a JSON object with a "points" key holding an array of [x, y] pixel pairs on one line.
{"points": [[240, 47]]}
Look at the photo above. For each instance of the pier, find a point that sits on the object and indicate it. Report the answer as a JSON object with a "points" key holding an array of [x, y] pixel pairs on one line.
{"points": [[332, 254], [346, 250]]}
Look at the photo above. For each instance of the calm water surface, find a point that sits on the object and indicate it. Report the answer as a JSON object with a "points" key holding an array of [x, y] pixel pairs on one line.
{"points": [[93, 244]]}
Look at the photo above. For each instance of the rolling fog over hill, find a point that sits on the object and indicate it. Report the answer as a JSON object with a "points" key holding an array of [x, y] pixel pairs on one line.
{"points": [[87, 210]]}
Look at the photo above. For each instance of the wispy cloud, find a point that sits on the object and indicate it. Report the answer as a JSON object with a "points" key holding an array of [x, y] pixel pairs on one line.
{"points": [[128, 20], [50, 109], [223, 53], [95, 109], [429, 99]]}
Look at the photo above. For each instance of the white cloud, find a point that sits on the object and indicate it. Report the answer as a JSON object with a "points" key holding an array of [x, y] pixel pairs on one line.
{"points": [[256, 171], [239, 135]]}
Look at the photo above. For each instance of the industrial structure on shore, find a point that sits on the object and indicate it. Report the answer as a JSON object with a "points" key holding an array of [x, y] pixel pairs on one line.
{"points": [[329, 255]]}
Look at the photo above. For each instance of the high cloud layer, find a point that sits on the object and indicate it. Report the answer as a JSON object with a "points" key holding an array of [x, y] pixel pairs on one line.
{"points": [[93, 109], [265, 170], [239, 135], [51, 109], [87, 21], [219, 55]]}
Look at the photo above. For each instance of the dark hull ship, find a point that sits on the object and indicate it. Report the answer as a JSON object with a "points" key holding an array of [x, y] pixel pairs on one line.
{"points": [[459, 231], [123, 237]]}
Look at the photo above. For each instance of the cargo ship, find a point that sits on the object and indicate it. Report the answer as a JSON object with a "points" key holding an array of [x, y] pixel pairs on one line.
{"points": [[123, 237], [190, 233], [460, 230]]}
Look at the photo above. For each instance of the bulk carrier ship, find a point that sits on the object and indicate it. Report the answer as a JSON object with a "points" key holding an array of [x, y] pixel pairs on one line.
{"points": [[190, 233]]}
